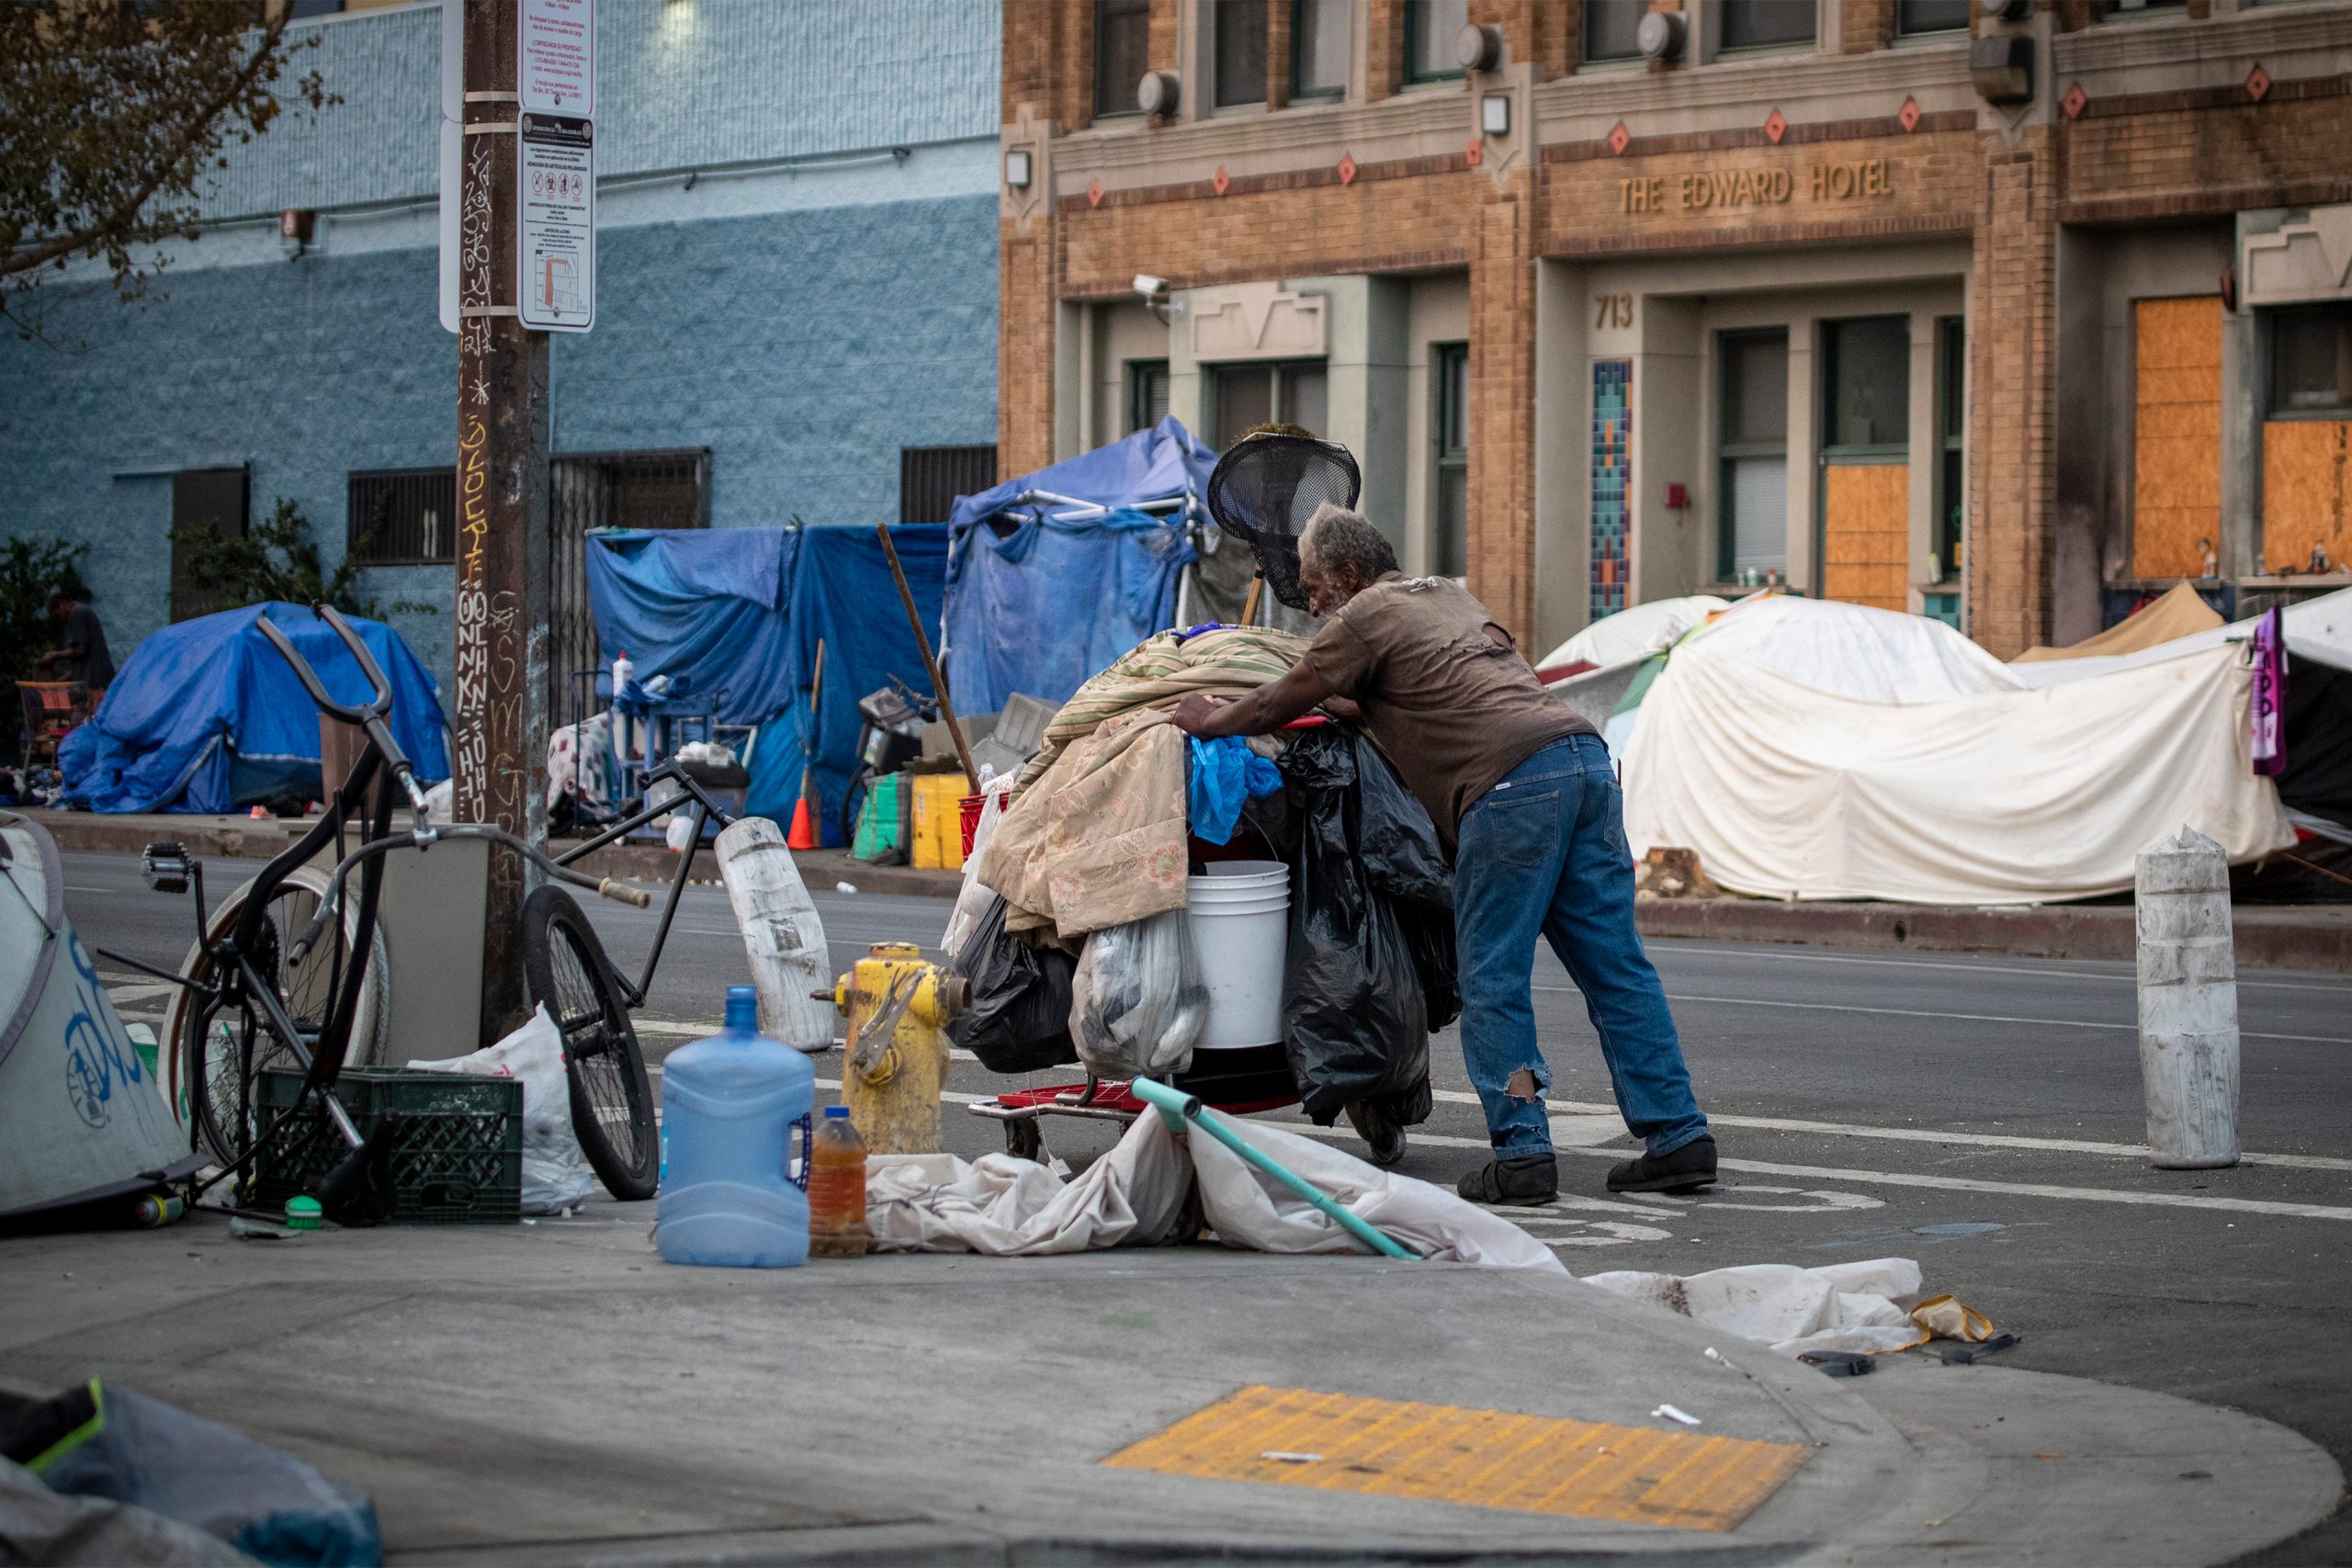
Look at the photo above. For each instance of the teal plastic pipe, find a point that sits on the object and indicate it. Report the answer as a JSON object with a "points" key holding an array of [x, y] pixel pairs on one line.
{"points": [[1176, 1108]]}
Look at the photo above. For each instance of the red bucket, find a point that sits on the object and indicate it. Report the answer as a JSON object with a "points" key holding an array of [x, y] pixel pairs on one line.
{"points": [[972, 804]]}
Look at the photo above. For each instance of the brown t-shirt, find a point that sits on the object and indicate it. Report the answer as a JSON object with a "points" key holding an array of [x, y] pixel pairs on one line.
{"points": [[1452, 707]]}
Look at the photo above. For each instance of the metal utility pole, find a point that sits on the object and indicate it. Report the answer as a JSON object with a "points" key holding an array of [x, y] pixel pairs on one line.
{"points": [[501, 602]]}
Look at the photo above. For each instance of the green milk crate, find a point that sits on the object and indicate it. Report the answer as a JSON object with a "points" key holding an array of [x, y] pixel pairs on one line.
{"points": [[456, 1160]]}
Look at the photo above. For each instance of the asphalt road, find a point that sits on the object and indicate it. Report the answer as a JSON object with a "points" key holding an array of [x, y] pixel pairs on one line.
{"points": [[1978, 1114]]}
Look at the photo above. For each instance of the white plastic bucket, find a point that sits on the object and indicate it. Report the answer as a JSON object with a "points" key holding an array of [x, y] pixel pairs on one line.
{"points": [[1240, 917]]}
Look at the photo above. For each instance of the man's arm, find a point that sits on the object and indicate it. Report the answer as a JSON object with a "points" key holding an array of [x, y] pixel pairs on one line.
{"points": [[1261, 712]]}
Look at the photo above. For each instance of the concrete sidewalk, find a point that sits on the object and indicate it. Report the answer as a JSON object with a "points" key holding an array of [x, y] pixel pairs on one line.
{"points": [[555, 1394], [2269, 936]]}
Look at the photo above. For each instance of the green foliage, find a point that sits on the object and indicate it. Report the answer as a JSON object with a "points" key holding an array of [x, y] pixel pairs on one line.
{"points": [[113, 114], [28, 569], [275, 558]]}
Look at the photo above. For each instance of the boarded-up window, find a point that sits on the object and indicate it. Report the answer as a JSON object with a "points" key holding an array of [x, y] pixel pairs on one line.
{"points": [[2176, 436], [1866, 533], [2307, 442], [204, 501]]}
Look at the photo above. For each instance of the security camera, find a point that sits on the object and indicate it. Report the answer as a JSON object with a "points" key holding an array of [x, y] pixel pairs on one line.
{"points": [[1151, 287]]}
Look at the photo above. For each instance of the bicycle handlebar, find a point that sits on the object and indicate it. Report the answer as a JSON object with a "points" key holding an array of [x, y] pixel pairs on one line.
{"points": [[381, 688]]}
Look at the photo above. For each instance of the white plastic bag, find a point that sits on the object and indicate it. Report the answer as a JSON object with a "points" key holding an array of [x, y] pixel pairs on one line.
{"points": [[972, 902], [555, 1175], [1137, 1002]]}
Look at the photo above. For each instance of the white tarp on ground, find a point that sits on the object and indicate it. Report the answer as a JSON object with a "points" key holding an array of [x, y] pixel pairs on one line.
{"points": [[1839, 1306], [1634, 633], [1999, 797], [1135, 1194]]}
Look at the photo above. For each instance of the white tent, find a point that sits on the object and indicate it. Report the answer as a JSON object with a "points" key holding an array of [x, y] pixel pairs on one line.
{"points": [[1632, 633], [1884, 789]]}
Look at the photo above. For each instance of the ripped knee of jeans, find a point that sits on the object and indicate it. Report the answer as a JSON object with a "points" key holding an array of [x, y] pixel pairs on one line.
{"points": [[1524, 1085]]}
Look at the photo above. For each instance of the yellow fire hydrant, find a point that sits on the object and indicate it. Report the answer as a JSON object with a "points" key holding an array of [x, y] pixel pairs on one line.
{"points": [[898, 1008]]}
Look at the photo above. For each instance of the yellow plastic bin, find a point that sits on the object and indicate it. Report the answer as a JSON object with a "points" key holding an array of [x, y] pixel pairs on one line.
{"points": [[939, 823]]}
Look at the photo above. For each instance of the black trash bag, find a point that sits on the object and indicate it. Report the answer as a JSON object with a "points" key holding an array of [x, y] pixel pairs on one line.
{"points": [[1019, 1019], [1366, 865]]}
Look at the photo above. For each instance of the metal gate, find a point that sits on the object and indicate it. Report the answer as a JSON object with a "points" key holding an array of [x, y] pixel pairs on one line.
{"points": [[591, 490]]}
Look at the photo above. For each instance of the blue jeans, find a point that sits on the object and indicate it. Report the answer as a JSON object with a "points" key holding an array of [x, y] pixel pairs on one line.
{"points": [[1544, 851]]}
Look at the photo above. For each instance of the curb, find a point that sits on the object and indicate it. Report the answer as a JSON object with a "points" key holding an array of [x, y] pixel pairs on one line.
{"points": [[2265, 938]]}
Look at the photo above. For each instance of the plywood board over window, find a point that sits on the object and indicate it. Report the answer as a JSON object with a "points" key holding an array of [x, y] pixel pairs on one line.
{"points": [[1866, 533], [2176, 435], [2306, 472]]}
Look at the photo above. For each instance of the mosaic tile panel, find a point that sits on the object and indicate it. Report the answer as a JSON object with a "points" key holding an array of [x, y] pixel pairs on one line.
{"points": [[1612, 421]]}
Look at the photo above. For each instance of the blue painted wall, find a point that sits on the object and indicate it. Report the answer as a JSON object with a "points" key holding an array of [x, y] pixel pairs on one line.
{"points": [[804, 348]]}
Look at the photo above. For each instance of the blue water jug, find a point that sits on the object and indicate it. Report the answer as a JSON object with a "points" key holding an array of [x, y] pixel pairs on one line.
{"points": [[728, 1105]]}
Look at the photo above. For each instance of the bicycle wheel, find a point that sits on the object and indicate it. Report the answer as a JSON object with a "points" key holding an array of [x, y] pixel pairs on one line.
{"points": [[222, 1047], [612, 1103]]}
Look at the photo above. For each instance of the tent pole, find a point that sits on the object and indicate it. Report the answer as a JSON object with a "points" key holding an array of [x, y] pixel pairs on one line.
{"points": [[938, 680]]}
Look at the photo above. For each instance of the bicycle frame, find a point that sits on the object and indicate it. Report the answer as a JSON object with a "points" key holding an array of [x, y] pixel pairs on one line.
{"points": [[705, 809]]}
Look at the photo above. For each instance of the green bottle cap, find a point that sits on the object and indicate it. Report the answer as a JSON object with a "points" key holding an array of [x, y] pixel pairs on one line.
{"points": [[302, 1213]]}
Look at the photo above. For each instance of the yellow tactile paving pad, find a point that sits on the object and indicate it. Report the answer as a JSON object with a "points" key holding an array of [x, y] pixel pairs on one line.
{"points": [[1440, 1453]]}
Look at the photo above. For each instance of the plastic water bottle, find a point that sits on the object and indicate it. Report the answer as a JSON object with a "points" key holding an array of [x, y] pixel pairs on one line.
{"points": [[837, 1188], [728, 1105]]}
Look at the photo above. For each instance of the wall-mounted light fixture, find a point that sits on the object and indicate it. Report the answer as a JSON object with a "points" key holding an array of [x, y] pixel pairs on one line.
{"points": [[1493, 114], [1158, 92], [1478, 47], [1016, 170], [1660, 35]]}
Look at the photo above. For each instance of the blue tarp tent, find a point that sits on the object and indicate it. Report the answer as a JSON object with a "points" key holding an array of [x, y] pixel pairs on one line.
{"points": [[741, 610], [1041, 594], [207, 716]]}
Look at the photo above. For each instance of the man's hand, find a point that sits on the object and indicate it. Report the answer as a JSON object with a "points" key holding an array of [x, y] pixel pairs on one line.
{"points": [[1343, 708], [1197, 713]]}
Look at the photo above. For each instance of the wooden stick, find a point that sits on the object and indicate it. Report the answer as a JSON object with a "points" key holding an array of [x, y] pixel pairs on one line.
{"points": [[808, 740], [938, 677], [1249, 606]]}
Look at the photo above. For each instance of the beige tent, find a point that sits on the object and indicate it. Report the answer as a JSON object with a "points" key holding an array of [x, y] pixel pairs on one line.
{"points": [[2178, 614]]}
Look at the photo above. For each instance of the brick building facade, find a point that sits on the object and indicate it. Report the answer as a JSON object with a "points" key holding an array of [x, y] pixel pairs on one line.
{"points": [[2003, 312]]}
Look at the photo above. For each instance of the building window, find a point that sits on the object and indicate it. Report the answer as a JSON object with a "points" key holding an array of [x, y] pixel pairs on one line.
{"points": [[1752, 456], [1450, 524], [1763, 24], [1240, 53], [2124, 10], [2310, 362], [1613, 30], [1912, 17], [1318, 49], [302, 10], [401, 517], [629, 490], [1147, 393], [1246, 395], [1122, 53], [1867, 372], [204, 502], [930, 478], [1951, 432], [1430, 28]]}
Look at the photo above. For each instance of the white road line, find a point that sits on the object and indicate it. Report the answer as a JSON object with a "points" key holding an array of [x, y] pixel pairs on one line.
{"points": [[1865, 1178], [1917, 1135], [1961, 1017]]}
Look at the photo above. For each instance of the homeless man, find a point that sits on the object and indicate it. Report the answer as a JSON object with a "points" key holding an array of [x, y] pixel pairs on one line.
{"points": [[1522, 790]]}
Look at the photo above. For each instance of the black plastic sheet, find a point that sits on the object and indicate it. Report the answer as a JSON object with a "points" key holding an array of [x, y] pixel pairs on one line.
{"points": [[1372, 960], [1019, 1019]]}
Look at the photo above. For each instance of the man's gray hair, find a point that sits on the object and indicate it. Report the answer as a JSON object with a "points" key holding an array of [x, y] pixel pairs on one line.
{"points": [[1336, 536]]}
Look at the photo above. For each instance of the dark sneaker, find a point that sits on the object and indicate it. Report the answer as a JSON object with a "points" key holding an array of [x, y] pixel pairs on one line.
{"points": [[1529, 1179], [1692, 1165], [1387, 1138]]}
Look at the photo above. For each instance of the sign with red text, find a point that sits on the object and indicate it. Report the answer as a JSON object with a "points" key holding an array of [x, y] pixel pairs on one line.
{"points": [[556, 64]]}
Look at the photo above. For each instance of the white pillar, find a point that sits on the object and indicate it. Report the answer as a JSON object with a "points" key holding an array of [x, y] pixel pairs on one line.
{"points": [[2189, 1003]]}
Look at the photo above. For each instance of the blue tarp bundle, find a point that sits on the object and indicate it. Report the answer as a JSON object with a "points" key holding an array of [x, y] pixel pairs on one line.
{"points": [[740, 611], [207, 716], [1037, 601]]}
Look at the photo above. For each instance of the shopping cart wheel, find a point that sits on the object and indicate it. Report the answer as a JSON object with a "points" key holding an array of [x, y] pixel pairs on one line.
{"points": [[1023, 1141]]}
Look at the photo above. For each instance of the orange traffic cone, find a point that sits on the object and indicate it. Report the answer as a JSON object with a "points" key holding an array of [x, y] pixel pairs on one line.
{"points": [[804, 827]]}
